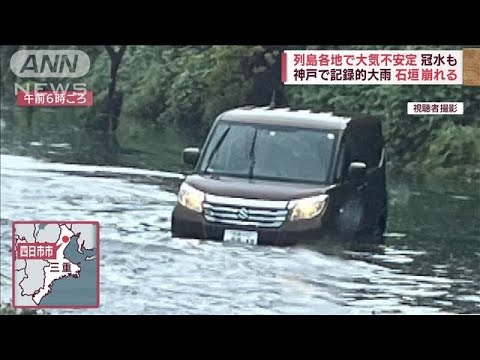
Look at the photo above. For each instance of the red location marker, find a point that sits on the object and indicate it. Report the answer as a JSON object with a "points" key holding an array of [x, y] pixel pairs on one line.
{"points": [[66, 239]]}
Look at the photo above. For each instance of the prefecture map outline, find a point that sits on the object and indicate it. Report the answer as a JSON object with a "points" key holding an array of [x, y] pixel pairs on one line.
{"points": [[48, 257]]}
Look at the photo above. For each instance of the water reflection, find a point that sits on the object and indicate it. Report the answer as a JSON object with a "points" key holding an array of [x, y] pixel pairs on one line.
{"points": [[57, 135]]}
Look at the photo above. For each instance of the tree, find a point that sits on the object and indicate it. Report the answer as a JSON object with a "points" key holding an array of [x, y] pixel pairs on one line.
{"points": [[268, 88], [115, 98], [7, 78]]}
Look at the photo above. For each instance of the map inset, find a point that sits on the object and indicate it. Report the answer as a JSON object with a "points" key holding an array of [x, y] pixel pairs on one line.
{"points": [[55, 264]]}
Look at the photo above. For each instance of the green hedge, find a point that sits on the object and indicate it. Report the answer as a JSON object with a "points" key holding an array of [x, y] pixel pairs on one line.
{"points": [[186, 87]]}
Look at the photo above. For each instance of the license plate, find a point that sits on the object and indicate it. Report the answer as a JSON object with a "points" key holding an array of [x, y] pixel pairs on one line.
{"points": [[241, 236]]}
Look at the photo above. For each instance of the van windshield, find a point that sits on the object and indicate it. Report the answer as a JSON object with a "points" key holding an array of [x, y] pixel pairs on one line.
{"points": [[267, 152]]}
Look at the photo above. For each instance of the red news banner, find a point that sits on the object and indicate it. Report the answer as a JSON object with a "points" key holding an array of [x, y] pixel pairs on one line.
{"points": [[55, 98], [372, 67]]}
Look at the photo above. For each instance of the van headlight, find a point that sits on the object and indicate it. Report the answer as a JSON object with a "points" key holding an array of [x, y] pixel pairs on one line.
{"points": [[191, 198], [307, 208]]}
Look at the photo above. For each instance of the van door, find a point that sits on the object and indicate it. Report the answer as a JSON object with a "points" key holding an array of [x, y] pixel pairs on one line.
{"points": [[349, 198], [360, 205]]}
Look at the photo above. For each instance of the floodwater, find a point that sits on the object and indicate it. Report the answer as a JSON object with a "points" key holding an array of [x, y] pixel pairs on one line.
{"points": [[430, 262]]}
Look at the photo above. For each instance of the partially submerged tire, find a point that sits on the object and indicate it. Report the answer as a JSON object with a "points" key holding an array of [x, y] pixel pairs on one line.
{"points": [[349, 224], [348, 220]]}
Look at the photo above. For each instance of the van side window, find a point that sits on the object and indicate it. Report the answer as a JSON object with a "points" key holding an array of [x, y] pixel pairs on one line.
{"points": [[364, 145]]}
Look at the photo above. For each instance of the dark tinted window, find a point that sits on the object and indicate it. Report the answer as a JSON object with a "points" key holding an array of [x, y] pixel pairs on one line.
{"points": [[364, 144]]}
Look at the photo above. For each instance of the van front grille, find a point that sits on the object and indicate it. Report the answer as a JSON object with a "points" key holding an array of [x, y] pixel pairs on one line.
{"points": [[234, 211]]}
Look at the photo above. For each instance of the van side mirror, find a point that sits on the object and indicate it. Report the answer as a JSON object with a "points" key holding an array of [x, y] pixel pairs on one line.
{"points": [[357, 171], [191, 155]]}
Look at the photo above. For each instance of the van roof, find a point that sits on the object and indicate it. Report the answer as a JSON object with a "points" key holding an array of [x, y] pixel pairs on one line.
{"points": [[295, 117]]}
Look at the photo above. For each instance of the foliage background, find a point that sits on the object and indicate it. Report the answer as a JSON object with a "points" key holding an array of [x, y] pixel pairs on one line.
{"points": [[183, 89]]}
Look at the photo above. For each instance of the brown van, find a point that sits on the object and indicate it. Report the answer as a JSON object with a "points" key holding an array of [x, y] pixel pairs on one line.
{"points": [[278, 176]]}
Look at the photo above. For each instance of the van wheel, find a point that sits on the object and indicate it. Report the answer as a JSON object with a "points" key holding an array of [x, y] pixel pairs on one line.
{"points": [[379, 230], [350, 215], [372, 235]]}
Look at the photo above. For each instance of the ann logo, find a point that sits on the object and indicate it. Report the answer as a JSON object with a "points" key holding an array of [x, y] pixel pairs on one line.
{"points": [[50, 63], [57, 65]]}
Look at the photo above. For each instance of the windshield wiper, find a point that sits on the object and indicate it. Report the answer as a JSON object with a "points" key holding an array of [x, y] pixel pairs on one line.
{"points": [[217, 146], [252, 155]]}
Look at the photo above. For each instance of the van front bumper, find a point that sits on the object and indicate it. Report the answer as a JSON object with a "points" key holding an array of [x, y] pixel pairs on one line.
{"points": [[189, 224]]}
